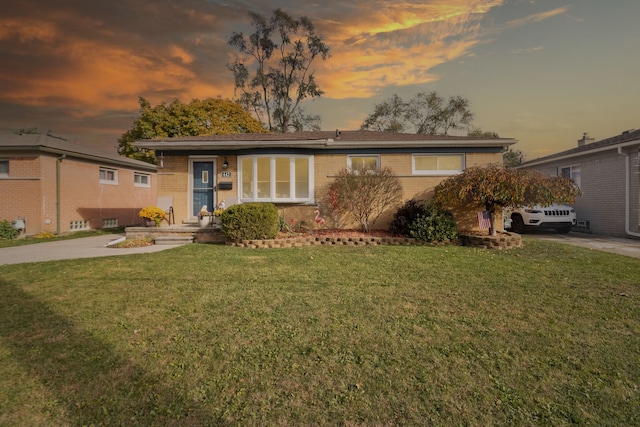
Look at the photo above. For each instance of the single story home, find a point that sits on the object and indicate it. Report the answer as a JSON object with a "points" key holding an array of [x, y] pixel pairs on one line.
{"points": [[293, 170], [48, 184], [608, 174]]}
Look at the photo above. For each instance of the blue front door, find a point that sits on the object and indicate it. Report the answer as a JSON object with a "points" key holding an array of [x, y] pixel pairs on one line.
{"points": [[203, 185]]}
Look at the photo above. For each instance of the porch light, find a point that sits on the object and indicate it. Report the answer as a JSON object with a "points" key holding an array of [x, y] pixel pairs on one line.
{"points": [[225, 163]]}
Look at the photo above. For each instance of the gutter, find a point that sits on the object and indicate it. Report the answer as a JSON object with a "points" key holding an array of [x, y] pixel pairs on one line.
{"points": [[548, 159], [627, 213], [58, 198]]}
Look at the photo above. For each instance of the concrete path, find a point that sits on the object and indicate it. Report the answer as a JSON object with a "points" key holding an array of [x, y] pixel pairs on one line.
{"points": [[629, 247], [85, 247]]}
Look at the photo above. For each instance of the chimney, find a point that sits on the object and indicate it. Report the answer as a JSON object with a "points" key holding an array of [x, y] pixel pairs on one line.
{"points": [[586, 139]]}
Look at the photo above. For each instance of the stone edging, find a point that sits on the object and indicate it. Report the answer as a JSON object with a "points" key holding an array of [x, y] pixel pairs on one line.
{"points": [[297, 242], [501, 241]]}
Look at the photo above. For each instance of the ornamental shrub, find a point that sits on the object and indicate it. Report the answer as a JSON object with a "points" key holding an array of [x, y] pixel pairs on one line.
{"points": [[250, 221], [8, 231], [434, 225], [405, 215]]}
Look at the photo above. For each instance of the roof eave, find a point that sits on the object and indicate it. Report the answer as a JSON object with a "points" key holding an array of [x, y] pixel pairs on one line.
{"points": [[320, 144], [545, 160]]}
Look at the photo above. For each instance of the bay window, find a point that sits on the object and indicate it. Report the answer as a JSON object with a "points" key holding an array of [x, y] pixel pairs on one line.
{"points": [[276, 178]]}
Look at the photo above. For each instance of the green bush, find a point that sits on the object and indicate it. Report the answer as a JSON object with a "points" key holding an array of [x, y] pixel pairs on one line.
{"points": [[405, 215], [7, 231], [250, 221], [434, 225]]}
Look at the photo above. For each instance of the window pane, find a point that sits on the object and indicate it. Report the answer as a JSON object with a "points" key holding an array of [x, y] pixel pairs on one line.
{"points": [[426, 163], [450, 163], [264, 177], [4, 168], [360, 163], [283, 177], [302, 178], [141, 179], [247, 177]]}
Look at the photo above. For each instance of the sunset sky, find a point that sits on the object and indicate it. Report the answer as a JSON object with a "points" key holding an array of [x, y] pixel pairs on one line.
{"points": [[540, 71]]}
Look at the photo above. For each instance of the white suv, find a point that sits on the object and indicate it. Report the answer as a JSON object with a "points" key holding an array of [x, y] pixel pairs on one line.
{"points": [[558, 217]]}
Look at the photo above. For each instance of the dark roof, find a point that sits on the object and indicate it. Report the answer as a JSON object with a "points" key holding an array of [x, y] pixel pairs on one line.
{"points": [[319, 139], [56, 145], [609, 143]]}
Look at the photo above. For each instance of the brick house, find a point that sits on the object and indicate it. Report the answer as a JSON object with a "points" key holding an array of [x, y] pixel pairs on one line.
{"points": [[53, 185], [292, 170], [608, 174]]}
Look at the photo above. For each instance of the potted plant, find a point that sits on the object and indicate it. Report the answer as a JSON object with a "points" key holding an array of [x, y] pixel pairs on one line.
{"points": [[152, 215], [216, 215], [204, 216]]}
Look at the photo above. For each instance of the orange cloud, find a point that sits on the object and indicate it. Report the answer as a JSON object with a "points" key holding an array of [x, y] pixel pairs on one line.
{"points": [[399, 45], [99, 76]]}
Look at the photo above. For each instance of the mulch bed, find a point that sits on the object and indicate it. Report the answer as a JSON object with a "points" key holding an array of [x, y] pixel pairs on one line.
{"points": [[335, 232]]}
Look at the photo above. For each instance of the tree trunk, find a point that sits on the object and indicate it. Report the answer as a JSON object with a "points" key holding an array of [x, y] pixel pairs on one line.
{"points": [[492, 216]]}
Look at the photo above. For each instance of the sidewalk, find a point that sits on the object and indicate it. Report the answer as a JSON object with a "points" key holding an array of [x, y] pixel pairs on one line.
{"points": [[85, 247]]}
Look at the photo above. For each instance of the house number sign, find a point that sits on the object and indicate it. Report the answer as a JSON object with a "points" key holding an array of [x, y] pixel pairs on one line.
{"points": [[226, 174]]}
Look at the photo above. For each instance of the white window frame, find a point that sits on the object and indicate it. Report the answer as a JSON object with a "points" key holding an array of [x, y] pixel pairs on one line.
{"points": [[437, 172], [106, 180], [272, 179], [138, 180], [4, 172], [350, 158], [574, 173]]}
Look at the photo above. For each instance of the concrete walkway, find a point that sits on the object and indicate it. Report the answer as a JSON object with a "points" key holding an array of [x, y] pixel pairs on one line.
{"points": [[85, 247], [629, 247]]}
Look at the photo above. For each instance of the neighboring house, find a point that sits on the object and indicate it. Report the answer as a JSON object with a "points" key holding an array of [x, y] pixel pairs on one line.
{"points": [[608, 174], [53, 185], [293, 170]]}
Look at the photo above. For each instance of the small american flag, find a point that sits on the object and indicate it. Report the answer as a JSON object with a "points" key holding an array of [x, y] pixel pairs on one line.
{"points": [[484, 219]]}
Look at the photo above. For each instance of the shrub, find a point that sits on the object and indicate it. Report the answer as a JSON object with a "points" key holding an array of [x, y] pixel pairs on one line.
{"points": [[405, 215], [434, 225], [8, 231], [364, 194], [250, 221]]}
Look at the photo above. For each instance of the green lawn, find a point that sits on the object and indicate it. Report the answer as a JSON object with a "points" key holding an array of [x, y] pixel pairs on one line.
{"points": [[364, 336]]}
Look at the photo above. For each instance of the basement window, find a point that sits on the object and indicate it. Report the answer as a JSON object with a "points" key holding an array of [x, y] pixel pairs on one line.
{"points": [[82, 224]]}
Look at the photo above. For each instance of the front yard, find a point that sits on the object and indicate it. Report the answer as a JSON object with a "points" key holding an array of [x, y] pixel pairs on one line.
{"points": [[409, 335]]}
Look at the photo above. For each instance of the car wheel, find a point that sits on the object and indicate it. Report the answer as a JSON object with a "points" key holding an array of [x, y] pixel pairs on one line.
{"points": [[517, 224], [563, 230]]}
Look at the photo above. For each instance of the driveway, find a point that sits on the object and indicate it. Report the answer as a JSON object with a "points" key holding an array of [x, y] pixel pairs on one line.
{"points": [[629, 247], [85, 247]]}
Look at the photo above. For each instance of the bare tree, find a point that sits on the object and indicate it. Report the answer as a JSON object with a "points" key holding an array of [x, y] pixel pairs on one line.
{"points": [[274, 73], [426, 113]]}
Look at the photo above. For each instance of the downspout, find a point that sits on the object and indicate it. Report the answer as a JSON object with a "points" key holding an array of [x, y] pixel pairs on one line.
{"points": [[627, 210], [58, 198]]}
